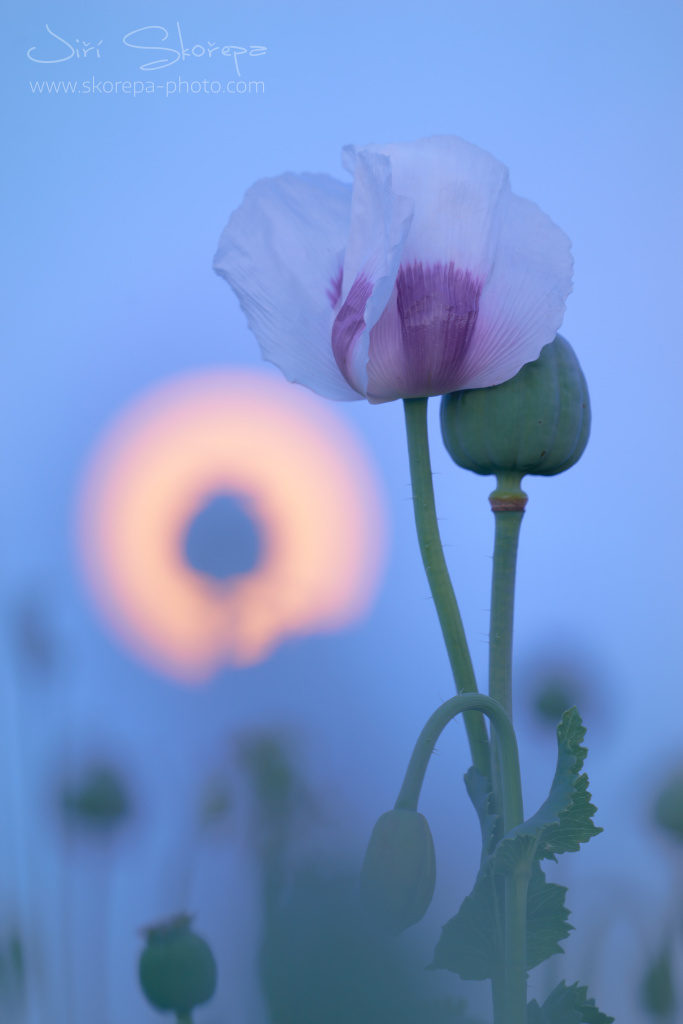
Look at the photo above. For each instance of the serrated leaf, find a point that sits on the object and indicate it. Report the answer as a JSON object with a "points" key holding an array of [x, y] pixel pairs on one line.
{"points": [[546, 918], [564, 820], [471, 942], [567, 1005]]}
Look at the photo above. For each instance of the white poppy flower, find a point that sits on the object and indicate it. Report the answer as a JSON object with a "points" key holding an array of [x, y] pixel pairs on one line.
{"points": [[426, 275]]}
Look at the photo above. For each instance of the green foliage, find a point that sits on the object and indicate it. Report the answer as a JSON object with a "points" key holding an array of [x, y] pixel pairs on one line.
{"points": [[471, 942], [569, 789], [564, 820], [567, 1005], [546, 918]]}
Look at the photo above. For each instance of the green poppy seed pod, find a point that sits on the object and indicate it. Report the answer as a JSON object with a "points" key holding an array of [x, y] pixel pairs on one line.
{"points": [[399, 871], [538, 422], [177, 967]]}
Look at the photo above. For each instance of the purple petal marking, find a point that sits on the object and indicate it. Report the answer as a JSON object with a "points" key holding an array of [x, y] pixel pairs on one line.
{"points": [[437, 308], [334, 291], [348, 326]]}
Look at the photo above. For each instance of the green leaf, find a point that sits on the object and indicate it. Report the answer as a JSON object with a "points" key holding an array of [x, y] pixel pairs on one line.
{"points": [[471, 942], [567, 1005], [575, 825], [546, 918], [564, 820]]}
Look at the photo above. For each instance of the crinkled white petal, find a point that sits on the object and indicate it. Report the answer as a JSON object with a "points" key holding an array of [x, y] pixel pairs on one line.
{"points": [[522, 304], [455, 188], [280, 252], [380, 221]]}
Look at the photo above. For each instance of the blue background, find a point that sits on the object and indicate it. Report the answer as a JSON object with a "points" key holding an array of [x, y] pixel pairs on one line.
{"points": [[114, 206]]}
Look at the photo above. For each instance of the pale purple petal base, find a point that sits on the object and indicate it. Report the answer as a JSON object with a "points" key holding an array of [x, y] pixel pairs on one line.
{"points": [[347, 329], [421, 342]]}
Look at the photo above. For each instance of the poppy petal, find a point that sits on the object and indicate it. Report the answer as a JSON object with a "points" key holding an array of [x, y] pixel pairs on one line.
{"points": [[282, 252]]}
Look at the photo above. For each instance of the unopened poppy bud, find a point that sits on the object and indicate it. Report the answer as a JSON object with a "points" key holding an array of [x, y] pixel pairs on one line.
{"points": [[399, 871], [177, 967], [538, 422]]}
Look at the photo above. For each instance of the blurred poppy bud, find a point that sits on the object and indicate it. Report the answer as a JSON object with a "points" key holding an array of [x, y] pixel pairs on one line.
{"points": [[538, 422], [399, 871], [177, 967], [99, 802], [668, 809]]}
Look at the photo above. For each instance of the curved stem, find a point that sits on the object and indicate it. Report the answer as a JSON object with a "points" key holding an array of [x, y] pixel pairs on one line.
{"points": [[438, 577], [510, 988], [513, 811]]}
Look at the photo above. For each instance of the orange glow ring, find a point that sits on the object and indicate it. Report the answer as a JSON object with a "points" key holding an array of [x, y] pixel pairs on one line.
{"points": [[302, 477]]}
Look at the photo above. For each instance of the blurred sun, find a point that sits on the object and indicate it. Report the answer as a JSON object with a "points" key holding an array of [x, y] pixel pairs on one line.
{"points": [[296, 473]]}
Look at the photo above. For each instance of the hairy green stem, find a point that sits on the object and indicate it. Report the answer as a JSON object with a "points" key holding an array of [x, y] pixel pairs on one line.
{"points": [[184, 1018], [516, 886], [513, 811], [507, 502], [438, 577]]}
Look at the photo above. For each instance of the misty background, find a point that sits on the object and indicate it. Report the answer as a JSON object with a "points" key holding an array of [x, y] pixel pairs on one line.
{"points": [[114, 206]]}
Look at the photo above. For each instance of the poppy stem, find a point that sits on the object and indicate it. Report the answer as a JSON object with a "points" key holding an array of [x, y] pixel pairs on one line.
{"points": [[507, 503], [512, 807], [438, 577]]}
